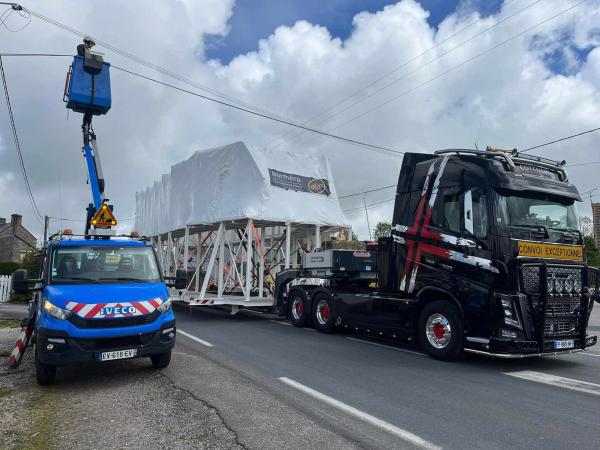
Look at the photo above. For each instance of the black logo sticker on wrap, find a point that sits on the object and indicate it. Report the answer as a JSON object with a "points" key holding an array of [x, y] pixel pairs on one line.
{"points": [[299, 183]]}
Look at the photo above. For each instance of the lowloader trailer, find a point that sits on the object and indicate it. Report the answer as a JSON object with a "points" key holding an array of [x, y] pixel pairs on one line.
{"points": [[485, 256]]}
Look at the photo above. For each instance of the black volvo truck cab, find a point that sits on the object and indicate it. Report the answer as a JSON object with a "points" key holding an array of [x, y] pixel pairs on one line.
{"points": [[485, 256]]}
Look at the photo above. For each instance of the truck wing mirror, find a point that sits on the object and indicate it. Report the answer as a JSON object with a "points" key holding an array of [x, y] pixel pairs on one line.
{"points": [[179, 281], [20, 282]]}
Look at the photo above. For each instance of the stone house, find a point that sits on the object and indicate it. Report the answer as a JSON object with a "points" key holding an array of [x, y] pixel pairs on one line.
{"points": [[15, 240]]}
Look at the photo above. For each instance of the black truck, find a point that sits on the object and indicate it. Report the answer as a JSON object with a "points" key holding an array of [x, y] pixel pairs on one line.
{"points": [[485, 256]]}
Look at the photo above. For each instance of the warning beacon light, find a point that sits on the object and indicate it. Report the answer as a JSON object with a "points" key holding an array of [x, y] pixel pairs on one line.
{"points": [[87, 88]]}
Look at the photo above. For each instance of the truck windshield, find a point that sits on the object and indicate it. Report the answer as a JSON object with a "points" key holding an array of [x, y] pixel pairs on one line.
{"points": [[82, 265], [517, 210]]}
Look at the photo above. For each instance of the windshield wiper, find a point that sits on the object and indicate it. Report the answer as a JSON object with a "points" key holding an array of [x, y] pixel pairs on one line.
{"points": [[93, 280], [540, 228], [141, 280]]}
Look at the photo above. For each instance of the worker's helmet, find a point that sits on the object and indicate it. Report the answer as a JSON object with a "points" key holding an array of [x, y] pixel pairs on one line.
{"points": [[88, 40]]}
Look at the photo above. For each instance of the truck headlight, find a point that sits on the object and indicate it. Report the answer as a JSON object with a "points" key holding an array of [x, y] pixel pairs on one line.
{"points": [[55, 311], [509, 311], [164, 307]]}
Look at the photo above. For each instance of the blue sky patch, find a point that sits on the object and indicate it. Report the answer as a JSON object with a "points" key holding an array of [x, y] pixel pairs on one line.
{"points": [[253, 20]]}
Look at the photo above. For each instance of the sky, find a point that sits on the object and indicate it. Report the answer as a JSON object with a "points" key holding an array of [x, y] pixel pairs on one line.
{"points": [[410, 75]]}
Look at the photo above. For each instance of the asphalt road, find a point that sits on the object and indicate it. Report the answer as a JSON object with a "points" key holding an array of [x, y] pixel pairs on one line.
{"points": [[278, 386]]}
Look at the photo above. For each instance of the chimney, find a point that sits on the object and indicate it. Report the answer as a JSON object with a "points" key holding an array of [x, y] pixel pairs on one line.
{"points": [[15, 220], [2, 221]]}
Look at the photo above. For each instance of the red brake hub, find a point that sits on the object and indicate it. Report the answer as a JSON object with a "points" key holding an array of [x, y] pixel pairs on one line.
{"points": [[438, 331]]}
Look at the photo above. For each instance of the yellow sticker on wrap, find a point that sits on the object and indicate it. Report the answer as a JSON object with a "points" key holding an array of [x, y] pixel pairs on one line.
{"points": [[550, 251]]}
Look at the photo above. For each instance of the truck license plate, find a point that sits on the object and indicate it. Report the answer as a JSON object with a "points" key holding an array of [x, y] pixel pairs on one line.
{"points": [[559, 345], [118, 354]]}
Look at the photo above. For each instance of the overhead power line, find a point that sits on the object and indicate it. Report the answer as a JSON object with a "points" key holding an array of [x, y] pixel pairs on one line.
{"points": [[259, 114], [18, 144], [561, 139], [163, 70], [229, 105], [453, 68], [406, 75]]}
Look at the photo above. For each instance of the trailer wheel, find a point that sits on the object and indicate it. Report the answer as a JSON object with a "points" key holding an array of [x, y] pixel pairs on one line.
{"points": [[44, 373], [297, 307], [323, 313], [161, 360], [441, 330]]}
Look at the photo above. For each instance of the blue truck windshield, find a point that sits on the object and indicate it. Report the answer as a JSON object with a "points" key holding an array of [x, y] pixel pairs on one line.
{"points": [[83, 265], [514, 210]]}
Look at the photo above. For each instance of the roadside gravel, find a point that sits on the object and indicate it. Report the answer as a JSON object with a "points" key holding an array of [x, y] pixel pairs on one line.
{"points": [[123, 404]]}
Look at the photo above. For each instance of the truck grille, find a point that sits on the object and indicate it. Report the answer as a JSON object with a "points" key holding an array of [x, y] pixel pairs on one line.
{"points": [[562, 306], [554, 328], [559, 310], [80, 322]]}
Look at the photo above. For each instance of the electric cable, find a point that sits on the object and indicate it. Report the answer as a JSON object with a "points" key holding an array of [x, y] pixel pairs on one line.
{"points": [[406, 75], [34, 206], [259, 114], [560, 140], [453, 68]]}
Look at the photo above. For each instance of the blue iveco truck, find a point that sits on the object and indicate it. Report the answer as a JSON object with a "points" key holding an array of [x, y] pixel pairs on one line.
{"points": [[99, 300], [100, 296]]}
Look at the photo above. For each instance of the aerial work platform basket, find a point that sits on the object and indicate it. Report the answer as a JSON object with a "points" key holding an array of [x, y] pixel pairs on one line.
{"points": [[87, 88]]}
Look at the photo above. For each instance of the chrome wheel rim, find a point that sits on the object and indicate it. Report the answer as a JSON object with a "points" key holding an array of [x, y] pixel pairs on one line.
{"points": [[438, 331], [323, 312], [297, 308]]}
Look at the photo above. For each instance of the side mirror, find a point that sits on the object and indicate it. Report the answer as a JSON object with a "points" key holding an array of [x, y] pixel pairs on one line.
{"points": [[180, 279], [20, 282]]}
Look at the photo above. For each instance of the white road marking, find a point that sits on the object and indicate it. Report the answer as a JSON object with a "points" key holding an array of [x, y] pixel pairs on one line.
{"points": [[386, 346], [553, 380], [279, 322], [372, 420], [194, 338], [590, 354]]}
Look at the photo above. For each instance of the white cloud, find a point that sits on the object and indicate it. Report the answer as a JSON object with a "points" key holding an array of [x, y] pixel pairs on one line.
{"points": [[508, 97]]}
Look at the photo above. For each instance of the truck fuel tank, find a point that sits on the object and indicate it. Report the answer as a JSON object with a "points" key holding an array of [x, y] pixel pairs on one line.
{"points": [[341, 260]]}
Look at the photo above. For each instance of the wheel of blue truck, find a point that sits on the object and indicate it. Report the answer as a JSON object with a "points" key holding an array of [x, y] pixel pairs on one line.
{"points": [[323, 313], [161, 360], [297, 307], [44, 373], [441, 330]]}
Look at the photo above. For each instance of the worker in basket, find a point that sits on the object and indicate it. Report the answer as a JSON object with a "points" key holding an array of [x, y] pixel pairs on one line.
{"points": [[87, 45]]}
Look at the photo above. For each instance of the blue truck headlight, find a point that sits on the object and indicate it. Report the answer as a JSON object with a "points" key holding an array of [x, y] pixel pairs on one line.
{"points": [[55, 311], [164, 307]]}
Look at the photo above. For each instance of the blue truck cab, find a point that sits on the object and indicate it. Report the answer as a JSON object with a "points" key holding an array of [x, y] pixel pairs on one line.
{"points": [[101, 300]]}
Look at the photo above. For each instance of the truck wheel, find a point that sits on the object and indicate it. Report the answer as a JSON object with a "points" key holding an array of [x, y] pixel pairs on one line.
{"points": [[323, 315], [441, 331], [161, 360], [297, 307], [44, 373]]}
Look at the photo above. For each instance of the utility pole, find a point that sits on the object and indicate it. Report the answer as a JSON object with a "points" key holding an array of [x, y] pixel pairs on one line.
{"points": [[367, 214], [46, 225]]}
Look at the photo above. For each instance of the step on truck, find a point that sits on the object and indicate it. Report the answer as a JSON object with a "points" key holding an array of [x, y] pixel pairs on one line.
{"points": [[98, 299], [485, 256]]}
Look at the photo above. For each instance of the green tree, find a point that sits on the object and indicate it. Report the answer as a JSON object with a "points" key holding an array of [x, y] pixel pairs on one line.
{"points": [[593, 257], [382, 229]]}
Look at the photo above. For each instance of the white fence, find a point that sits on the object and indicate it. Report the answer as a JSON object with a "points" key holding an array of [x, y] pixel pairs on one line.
{"points": [[4, 288]]}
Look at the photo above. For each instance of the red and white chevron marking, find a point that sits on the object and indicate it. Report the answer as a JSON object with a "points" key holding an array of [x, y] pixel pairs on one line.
{"points": [[114, 309], [15, 357]]}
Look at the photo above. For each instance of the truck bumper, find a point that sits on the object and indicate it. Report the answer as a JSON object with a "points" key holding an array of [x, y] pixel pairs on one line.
{"points": [[501, 348], [59, 348]]}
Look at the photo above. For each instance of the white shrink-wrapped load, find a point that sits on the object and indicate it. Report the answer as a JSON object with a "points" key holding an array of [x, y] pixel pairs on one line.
{"points": [[234, 183]]}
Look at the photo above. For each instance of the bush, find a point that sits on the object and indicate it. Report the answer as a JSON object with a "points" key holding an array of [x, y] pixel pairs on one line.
{"points": [[8, 268]]}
